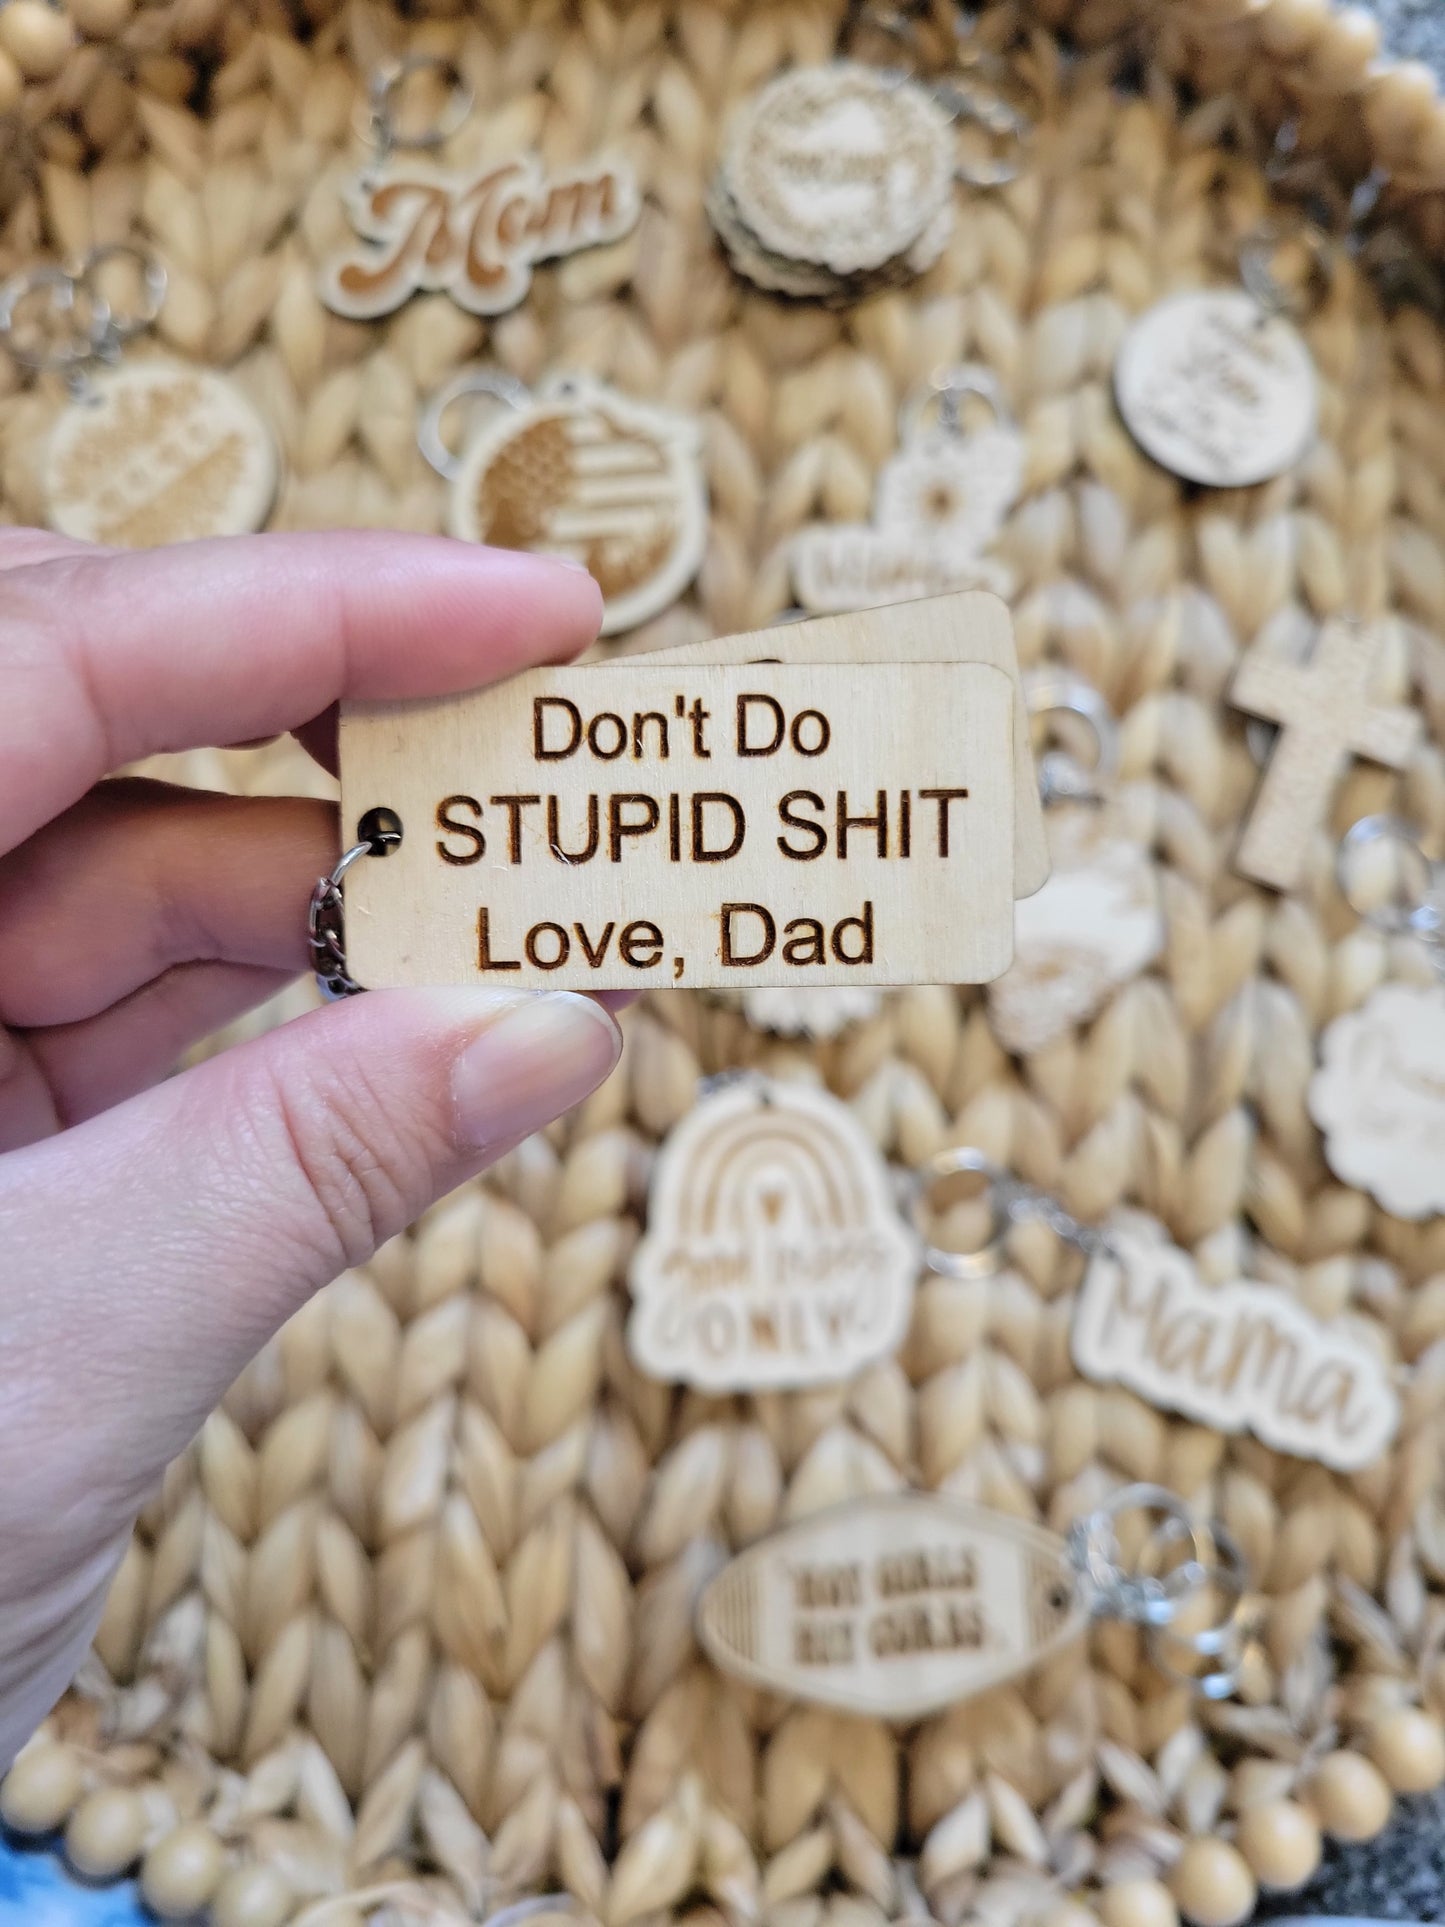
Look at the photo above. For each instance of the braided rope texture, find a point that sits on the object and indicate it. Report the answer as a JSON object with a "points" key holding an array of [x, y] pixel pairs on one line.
{"points": [[407, 1633]]}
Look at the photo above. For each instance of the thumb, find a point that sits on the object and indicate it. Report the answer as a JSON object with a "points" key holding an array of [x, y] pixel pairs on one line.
{"points": [[151, 1251]]}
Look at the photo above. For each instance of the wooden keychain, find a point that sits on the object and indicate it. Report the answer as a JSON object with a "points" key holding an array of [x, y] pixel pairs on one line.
{"points": [[1217, 384], [940, 504], [1097, 922], [901, 1604], [475, 235], [147, 450], [1379, 1092], [1231, 1353], [575, 468]]}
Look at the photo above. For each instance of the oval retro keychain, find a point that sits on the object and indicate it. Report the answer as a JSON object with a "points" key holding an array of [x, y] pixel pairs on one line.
{"points": [[574, 468], [1217, 384], [146, 451]]}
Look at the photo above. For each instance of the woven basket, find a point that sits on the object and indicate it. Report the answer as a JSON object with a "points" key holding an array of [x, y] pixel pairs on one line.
{"points": [[408, 1633]]}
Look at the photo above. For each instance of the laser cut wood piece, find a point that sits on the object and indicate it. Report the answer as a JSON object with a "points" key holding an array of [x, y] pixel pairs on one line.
{"points": [[967, 626], [1327, 713], [893, 1606], [697, 824], [1379, 1097], [157, 451], [1238, 1357], [774, 1257]]}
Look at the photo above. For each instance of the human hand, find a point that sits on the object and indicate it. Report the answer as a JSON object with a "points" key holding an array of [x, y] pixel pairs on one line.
{"points": [[151, 1240]]}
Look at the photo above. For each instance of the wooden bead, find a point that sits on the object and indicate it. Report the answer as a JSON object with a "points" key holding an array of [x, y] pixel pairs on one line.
{"points": [[1351, 1797], [12, 84], [1408, 1746], [1213, 1885], [180, 1873], [252, 1897], [1138, 1903], [1288, 27], [1350, 42], [100, 19], [1281, 1841], [105, 1832], [40, 1789], [36, 36], [1068, 1913]]}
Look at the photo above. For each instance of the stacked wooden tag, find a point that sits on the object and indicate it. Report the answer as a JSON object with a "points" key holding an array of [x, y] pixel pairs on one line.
{"points": [[863, 812], [834, 181]]}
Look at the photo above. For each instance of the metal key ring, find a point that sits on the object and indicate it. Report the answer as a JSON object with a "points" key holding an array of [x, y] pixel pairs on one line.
{"points": [[493, 382], [1061, 776], [154, 282], [946, 388], [963, 1158], [380, 129], [965, 100], [1256, 253], [1140, 1597], [1222, 1640], [1419, 913], [63, 287]]}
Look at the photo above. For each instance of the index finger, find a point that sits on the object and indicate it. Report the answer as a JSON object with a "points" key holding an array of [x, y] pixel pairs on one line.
{"points": [[106, 657]]}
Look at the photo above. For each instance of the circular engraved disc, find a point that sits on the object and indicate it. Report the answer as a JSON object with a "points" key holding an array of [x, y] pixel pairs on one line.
{"points": [[1216, 390], [839, 166], [158, 452]]}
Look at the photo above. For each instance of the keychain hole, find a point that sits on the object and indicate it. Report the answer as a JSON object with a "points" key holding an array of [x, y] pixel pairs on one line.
{"points": [[381, 830]]}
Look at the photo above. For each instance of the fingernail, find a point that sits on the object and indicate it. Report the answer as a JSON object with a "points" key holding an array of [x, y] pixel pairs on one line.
{"points": [[535, 1060], [569, 562]]}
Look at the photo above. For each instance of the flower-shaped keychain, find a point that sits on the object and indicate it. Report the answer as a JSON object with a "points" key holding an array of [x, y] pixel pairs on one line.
{"points": [[577, 469], [1217, 384], [148, 450], [1379, 1093], [941, 502], [1097, 922]]}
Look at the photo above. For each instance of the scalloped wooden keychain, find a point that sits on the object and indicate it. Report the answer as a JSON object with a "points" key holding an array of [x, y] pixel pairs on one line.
{"points": [[1097, 921], [475, 235], [146, 450], [1379, 1093], [941, 503], [576, 468]]}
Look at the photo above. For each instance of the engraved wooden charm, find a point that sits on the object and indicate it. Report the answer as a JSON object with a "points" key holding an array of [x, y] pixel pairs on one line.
{"points": [[1095, 925], [1217, 390], [941, 502], [475, 237], [156, 452], [583, 471], [728, 825], [1237, 1357], [774, 1256], [1379, 1097], [969, 626], [893, 1607], [1326, 711]]}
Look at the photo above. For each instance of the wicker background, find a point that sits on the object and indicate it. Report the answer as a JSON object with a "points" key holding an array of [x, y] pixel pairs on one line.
{"points": [[417, 1603]]}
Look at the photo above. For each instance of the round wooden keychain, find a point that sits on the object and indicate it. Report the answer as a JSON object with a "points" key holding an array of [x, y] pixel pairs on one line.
{"points": [[574, 468], [1217, 384], [146, 451], [1379, 1092]]}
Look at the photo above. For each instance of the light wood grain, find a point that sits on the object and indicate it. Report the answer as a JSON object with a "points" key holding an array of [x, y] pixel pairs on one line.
{"points": [[857, 818], [968, 626]]}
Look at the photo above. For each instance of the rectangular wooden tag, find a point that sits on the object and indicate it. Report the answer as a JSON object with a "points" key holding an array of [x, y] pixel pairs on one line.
{"points": [[970, 626], [700, 824]]}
